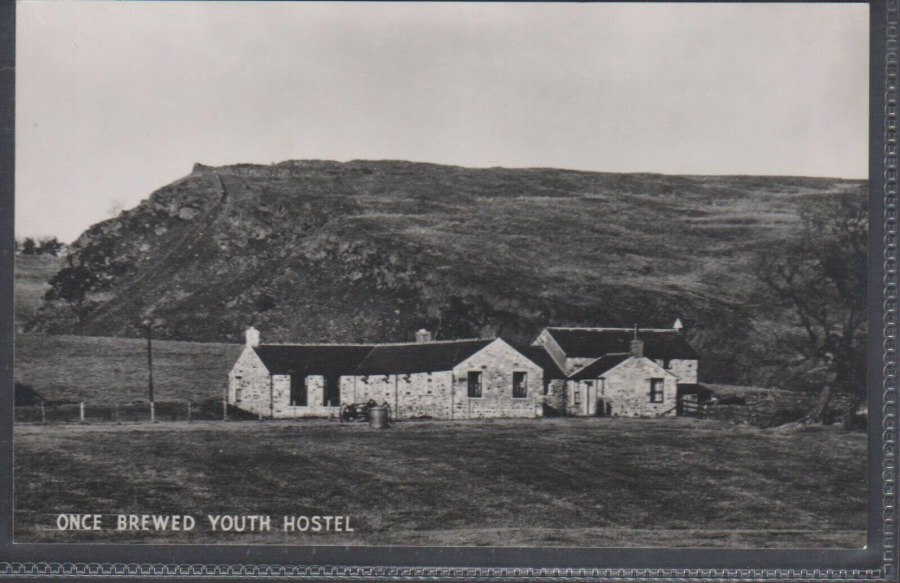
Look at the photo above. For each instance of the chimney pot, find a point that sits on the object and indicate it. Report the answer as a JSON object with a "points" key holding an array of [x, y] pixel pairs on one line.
{"points": [[252, 337], [423, 336]]}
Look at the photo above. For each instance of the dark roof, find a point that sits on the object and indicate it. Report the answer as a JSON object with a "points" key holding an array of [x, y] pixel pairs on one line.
{"points": [[412, 358], [600, 366], [312, 359], [596, 342], [542, 358], [361, 359]]}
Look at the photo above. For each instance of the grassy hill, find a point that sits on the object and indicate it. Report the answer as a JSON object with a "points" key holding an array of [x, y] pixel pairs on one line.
{"points": [[373, 250], [33, 273]]}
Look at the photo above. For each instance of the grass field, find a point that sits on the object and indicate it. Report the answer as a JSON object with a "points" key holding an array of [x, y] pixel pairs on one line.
{"points": [[104, 370], [552, 482]]}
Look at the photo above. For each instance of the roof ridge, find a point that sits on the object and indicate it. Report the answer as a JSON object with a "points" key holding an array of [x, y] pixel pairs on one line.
{"points": [[589, 328], [414, 343], [318, 344], [377, 344]]}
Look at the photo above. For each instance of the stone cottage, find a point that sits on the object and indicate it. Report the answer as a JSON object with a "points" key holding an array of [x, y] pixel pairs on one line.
{"points": [[579, 371], [620, 371], [455, 379]]}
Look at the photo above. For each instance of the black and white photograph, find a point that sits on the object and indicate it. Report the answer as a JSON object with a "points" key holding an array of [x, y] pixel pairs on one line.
{"points": [[451, 274]]}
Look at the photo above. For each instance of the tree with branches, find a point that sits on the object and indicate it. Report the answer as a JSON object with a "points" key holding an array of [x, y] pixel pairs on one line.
{"points": [[818, 280], [72, 285]]}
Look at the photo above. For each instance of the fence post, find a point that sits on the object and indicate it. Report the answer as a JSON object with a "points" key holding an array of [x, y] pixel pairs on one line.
{"points": [[43, 414], [117, 413], [260, 414], [81, 411], [189, 412], [152, 413]]}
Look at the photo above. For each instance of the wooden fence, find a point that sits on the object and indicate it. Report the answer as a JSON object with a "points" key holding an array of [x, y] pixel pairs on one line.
{"points": [[129, 412]]}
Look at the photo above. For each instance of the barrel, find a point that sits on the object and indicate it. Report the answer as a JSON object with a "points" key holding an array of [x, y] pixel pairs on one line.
{"points": [[378, 417]]}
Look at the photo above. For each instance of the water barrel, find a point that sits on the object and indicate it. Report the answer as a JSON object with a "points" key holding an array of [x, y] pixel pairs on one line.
{"points": [[378, 418]]}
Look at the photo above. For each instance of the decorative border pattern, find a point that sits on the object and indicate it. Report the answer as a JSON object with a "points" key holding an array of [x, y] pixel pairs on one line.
{"points": [[889, 405], [436, 573], [888, 572]]}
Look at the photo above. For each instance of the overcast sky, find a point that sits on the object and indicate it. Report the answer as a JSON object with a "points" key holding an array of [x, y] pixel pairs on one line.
{"points": [[115, 100]]}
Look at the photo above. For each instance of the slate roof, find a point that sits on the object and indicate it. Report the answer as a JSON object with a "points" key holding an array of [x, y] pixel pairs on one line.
{"points": [[312, 359], [413, 358], [601, 365], [366, 359], [542, 358], [596, 342]]}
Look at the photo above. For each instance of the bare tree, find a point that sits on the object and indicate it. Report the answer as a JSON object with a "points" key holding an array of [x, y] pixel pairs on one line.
{"points": [[819, 281]]}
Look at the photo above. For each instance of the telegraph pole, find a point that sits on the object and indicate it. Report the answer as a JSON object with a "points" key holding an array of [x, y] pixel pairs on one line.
{"points": [[148, 326]]}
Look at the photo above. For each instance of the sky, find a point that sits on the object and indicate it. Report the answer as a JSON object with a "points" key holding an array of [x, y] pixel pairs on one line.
{"points": [[117, 99]]}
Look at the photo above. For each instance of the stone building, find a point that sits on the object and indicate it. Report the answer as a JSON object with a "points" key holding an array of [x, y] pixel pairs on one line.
{"points": [[457, 379], [575, 371], [620, 371]]}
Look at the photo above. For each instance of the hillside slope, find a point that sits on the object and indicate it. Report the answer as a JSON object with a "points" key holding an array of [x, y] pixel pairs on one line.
{"points": [[33, 272], [373, 250]]}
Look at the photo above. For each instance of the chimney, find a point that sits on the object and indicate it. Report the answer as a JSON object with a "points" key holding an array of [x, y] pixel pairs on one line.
{"points": [[637, 346], [678, 326], [252, 337], [423, 336]]}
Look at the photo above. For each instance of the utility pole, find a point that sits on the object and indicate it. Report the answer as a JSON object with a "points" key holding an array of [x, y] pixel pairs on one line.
{"points": [[150, 362], [148, 325]]}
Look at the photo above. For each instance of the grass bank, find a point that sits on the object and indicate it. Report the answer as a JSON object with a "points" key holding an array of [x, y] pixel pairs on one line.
{"points": [[557, 482]]}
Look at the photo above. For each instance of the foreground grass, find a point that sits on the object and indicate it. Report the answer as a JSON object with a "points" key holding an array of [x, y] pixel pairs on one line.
{"points": [[552, 482]]}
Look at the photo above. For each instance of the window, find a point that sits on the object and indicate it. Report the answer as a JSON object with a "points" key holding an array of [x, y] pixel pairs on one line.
{"points": [[601, 386], [332, 392], [576, 398], [656, 390], [475, 384], [237, 395], [520, 385], [298, 390]]}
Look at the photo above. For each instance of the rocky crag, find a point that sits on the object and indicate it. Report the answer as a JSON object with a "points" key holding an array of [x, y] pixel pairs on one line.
{"points": [[373, 250]]}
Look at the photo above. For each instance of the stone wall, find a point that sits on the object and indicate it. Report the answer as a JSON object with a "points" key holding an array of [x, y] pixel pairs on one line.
{"points": [[409, 396], [624, 390], [248, 383], [315, 397], [685, 370], [627, 389], [439, 395], [497, 362]]}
